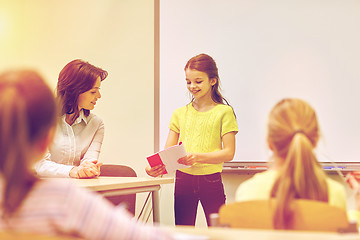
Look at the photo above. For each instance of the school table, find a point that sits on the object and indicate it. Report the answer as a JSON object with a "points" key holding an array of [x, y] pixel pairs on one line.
{"points": [[218, 233], [113, 186], [13, 235]]}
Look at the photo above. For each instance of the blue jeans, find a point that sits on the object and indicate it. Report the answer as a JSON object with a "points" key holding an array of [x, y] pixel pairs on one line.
{"points": [[189, 189]]}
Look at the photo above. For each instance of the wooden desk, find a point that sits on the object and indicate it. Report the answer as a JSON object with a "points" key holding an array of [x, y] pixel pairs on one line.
{"points": [[12, 235], [112, 186], [184, 232]]}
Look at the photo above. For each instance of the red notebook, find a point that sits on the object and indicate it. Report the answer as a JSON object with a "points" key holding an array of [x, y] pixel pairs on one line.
{"points": [[169, 157]]}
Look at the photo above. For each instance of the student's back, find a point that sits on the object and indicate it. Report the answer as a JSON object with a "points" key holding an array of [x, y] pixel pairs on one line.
{"points": [[56, 206], [260, 185], [292, 135], [51, 207]]}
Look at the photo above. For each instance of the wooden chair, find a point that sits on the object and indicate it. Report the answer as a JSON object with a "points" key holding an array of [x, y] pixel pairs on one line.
{"points": [[308, 215], [114, 170]]}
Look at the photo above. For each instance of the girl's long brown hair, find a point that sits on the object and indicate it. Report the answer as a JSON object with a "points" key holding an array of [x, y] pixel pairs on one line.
{"points": [[293, 131], [205, 63], [27, 113]]}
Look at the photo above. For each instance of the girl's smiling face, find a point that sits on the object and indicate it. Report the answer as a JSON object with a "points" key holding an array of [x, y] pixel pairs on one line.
{"points": [[198, 83], [87, 100]]}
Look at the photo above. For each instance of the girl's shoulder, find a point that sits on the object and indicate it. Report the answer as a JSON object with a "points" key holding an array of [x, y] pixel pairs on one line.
{"points": [[267, 175], [50, 189], [183, 108], [219, 108], [257, 187], [54, 184], [260, 179], [334, 185], [223, 107], [223, 110], [59, 188]]}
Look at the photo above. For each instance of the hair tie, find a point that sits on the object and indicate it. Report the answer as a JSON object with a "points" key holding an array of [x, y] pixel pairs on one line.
{"points": [[299, 131]]}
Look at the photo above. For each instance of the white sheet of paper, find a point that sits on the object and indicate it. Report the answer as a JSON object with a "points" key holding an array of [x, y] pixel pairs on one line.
{"points": [[170, 156]]}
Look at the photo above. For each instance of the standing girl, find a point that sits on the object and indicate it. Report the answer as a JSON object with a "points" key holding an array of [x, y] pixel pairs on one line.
{"points": [[207, 127]]}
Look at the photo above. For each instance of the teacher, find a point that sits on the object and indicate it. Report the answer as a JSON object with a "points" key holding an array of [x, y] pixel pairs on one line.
{"points": [[79, 134]]}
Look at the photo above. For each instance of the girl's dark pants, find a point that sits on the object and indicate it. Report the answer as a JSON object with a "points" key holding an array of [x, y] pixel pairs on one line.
{"points": [[190, 189]]}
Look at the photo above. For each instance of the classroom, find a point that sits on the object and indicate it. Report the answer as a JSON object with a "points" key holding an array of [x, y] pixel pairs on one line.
{"points": [[144, 46]]}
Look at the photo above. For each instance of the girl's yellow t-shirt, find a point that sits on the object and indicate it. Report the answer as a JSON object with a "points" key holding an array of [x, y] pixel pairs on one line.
{"points": [[201, 132]]}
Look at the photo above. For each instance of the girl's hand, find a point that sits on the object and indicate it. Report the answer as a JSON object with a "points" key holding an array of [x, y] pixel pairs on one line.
{"points": [[356, 175], [156, 170], [189, 159], [352, 180]]}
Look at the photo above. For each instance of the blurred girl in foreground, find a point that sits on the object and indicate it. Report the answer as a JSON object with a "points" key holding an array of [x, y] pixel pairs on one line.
{"points": [[52, 206]]}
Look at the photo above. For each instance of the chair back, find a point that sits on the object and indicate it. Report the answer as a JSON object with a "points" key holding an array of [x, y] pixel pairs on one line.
{"points": [[308, 215], [117, 170]]}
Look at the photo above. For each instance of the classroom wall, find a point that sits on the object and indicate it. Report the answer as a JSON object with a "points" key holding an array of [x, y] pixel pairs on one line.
{"points": [[265, 51], [117, 35]]}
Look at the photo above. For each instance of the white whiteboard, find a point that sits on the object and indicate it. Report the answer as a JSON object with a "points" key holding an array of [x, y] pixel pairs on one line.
{"points": [[265, 51]]}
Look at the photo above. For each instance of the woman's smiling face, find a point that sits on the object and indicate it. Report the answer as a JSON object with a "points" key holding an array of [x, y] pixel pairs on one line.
{"points": [[87, 100]]}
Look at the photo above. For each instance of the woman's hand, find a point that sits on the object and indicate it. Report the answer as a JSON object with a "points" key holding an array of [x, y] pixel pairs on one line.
{"points": [[156, 170], [189, 159], [86, 169]]}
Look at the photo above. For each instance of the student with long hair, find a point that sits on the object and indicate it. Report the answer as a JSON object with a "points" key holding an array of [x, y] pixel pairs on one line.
{"points": [[76, 148], [28, 118], [293, 133], [207, 127]]}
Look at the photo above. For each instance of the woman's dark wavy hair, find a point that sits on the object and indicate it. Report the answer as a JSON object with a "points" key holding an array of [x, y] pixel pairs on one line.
{"points": [[74, 79]]}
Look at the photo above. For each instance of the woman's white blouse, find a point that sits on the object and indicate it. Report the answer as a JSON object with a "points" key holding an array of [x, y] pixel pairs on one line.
{"points": [[72, 144]]}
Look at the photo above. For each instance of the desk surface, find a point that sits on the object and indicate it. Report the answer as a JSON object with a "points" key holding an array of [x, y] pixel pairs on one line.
{"points": [[108, 183], [11, 235], [183, 232]]}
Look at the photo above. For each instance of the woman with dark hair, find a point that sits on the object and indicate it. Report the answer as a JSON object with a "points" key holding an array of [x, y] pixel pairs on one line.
{"points": [[48, 206], [207, 127], [76, 147]]}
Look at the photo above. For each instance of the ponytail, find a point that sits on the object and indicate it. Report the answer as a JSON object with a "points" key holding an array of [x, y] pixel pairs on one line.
{"points": [[301, 176], [14, 150], [27, 113]]}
